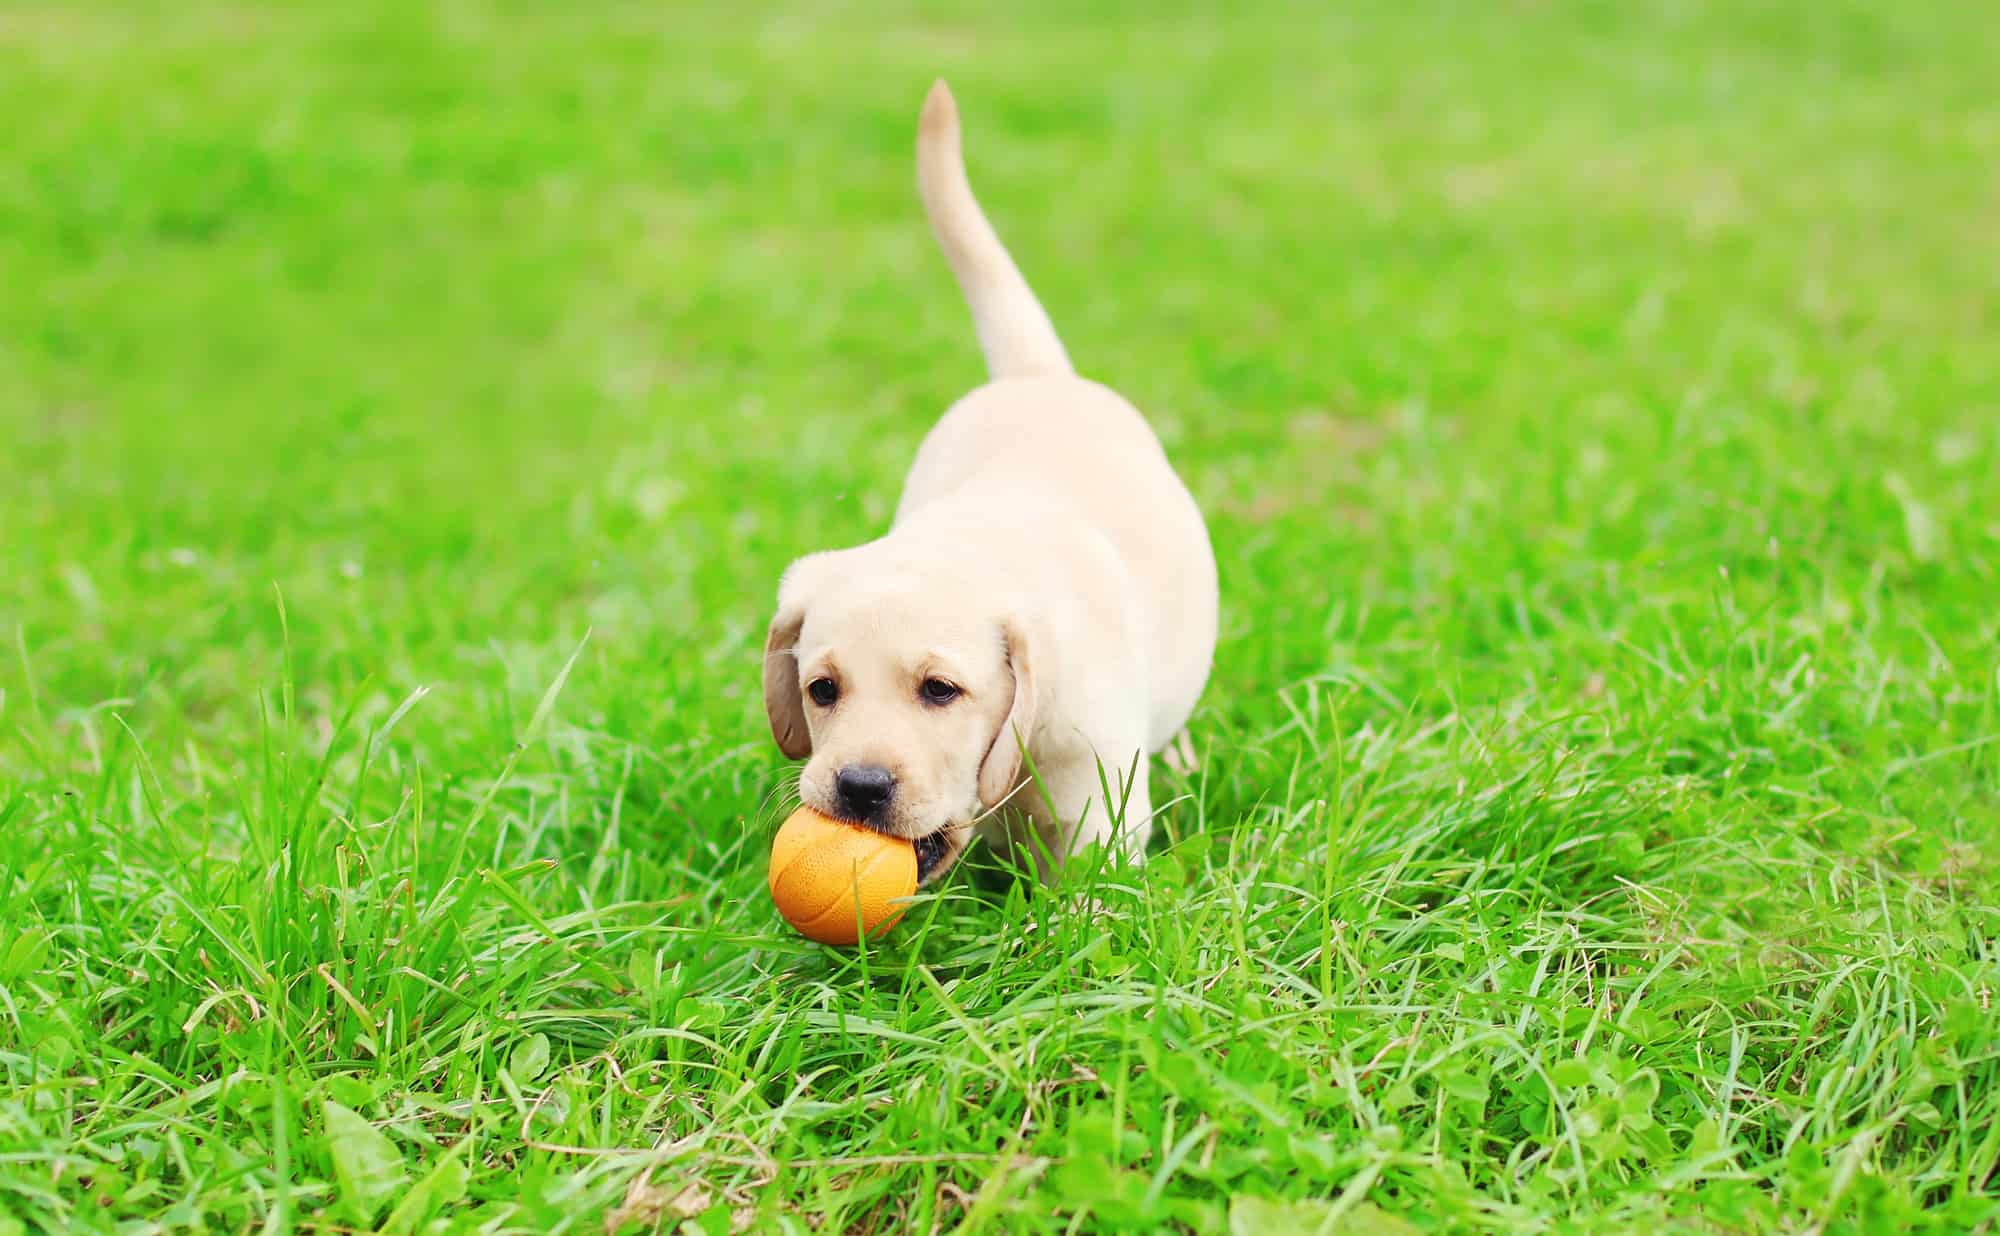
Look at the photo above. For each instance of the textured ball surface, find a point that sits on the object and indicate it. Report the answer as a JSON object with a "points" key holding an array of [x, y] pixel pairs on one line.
{"points": [[822, 868]]}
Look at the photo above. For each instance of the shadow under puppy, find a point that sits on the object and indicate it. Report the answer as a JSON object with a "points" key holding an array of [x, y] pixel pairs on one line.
{"points": [[1048, 585]]}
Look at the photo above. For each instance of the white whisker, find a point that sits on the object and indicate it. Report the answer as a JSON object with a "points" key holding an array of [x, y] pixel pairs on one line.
{"points": [[974, 821]]}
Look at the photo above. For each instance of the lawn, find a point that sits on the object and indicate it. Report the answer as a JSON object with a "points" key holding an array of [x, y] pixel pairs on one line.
{"points": [[407, 410]]}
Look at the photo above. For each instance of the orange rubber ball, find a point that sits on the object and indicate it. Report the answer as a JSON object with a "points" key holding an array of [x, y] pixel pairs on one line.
{"points": [[831, 880]]}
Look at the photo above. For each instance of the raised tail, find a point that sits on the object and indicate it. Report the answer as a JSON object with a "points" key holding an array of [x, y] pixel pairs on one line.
{"points": [[1014, 331]]}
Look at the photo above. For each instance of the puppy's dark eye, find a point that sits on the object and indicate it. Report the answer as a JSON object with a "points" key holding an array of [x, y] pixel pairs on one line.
{"points": [[823, 691], [938, 691]]}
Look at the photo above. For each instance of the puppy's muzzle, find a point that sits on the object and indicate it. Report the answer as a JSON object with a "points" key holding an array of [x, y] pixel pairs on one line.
{"points": [[863, 791]]}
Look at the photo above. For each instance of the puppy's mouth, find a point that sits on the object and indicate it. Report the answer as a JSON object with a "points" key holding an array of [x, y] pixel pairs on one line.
{"points": [[937, 851]]}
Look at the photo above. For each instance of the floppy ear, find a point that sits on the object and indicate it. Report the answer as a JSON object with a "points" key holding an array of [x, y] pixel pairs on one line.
{"points": [[783, 703], [1002, 766]]}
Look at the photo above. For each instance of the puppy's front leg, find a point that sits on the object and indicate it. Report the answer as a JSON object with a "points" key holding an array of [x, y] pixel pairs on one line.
{"points": [[1076, 814]]}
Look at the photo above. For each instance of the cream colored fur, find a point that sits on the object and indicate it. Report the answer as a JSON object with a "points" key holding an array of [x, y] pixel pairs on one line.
{"points": [[1045, 560]]}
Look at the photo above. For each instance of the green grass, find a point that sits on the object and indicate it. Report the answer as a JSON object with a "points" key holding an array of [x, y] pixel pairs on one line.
{"points": [[406, 418]]}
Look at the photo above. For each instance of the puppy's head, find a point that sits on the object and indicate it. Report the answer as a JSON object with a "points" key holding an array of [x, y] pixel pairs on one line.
{"points": [[908, 699]]}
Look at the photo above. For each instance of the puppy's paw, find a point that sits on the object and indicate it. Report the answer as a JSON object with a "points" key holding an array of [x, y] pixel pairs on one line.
{"points": [[1179, 755]]}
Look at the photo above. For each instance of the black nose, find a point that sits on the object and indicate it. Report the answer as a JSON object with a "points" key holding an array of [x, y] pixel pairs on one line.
{"points": [[864, 789]]}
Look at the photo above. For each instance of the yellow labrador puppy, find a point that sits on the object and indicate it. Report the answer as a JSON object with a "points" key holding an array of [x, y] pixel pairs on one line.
{"points": [[1047, 587]]}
